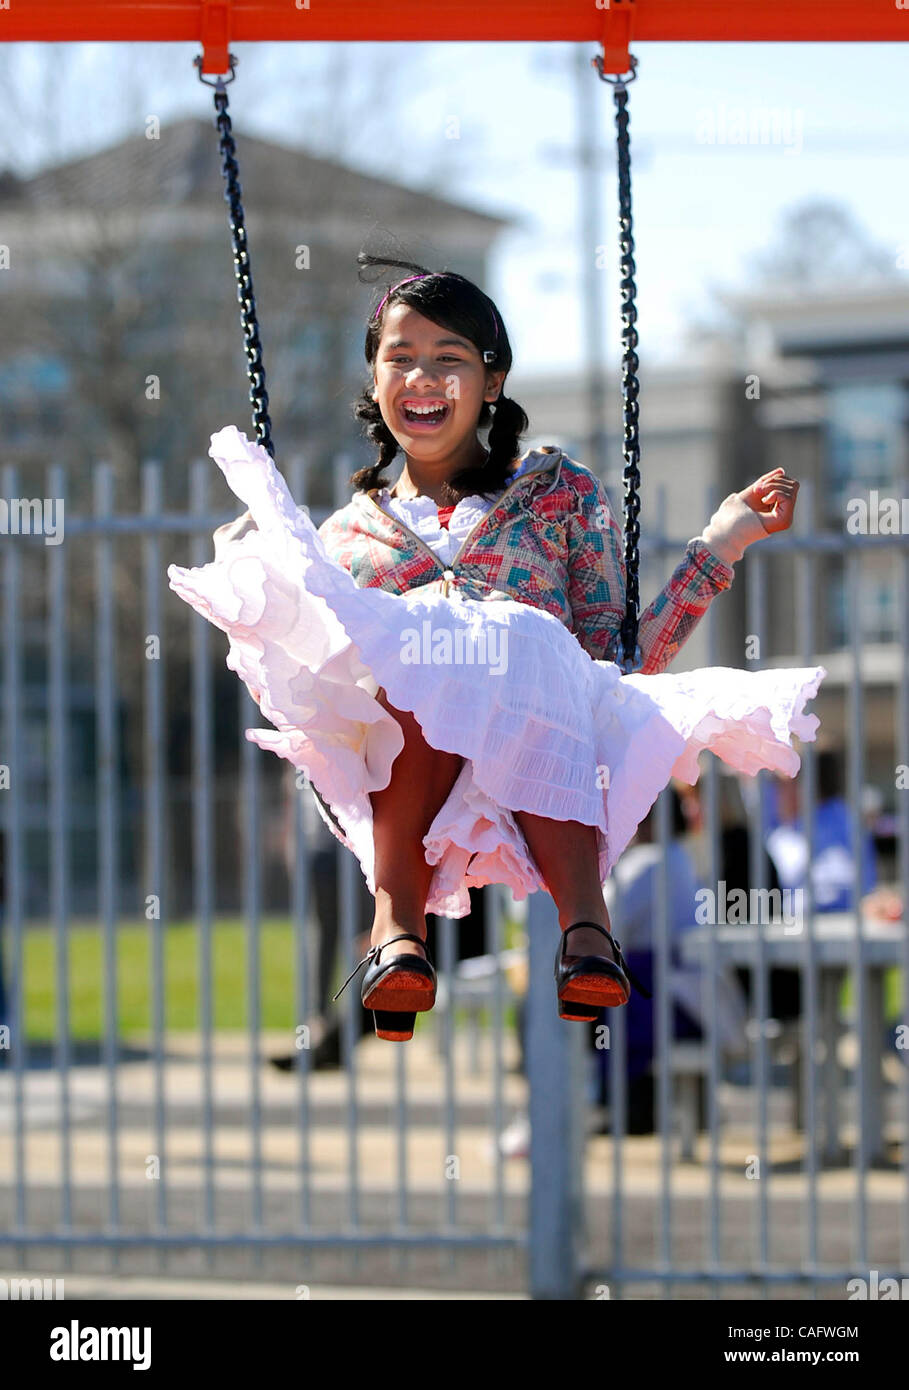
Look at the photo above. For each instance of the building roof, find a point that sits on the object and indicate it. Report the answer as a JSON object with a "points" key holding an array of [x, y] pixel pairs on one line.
{"points": [[183, 167]]}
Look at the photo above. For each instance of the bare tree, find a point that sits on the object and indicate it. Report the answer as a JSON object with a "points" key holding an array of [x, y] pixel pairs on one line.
{"points": [[820, 245]]}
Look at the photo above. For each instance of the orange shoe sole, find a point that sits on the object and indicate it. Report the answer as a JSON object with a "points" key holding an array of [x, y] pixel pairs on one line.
{"points": [[596, 991], [396, 1001]]}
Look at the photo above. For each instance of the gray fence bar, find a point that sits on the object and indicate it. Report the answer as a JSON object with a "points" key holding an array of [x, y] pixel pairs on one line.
{"points": [[806, 577], [495, 945], [15, 801], [902, 758], [663, 1033], [854, 783], [554, 1081], [301, 935], [446, 932], [712, 820], [59, 772], [756, 620], [402, 1132], [155, 849], [618, 1113], [204, 846], [107, 765], [350, 1001], [303, 975], [354, 1242], [250, 799]]}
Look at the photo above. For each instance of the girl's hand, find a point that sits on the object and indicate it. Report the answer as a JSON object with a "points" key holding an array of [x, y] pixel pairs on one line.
{"points": [[748, 516], [772, 497]]}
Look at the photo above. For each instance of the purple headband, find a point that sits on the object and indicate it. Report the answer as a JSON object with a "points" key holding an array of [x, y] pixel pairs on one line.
{"points": [[488, 355]]}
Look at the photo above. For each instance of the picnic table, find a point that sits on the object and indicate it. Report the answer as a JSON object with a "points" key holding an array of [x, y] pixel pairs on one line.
{"points": [[836, 951]]}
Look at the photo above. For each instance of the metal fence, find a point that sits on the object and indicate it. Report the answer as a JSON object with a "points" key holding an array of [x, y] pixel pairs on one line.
{"points": [[181, 1139]]}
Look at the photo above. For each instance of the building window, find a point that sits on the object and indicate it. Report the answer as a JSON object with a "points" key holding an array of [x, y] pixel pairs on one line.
{"points": [[866, 441], [878, 618], [866, 449]]}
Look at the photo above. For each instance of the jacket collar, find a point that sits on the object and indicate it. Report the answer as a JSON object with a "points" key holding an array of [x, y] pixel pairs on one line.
{"points": [[540, 461]]}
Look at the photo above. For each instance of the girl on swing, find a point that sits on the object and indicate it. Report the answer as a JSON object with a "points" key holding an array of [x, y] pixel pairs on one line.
{"points": [[440, 655]]}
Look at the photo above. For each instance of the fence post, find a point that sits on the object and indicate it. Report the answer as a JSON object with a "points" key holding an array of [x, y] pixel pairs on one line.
{"points": [[556, 1079]]}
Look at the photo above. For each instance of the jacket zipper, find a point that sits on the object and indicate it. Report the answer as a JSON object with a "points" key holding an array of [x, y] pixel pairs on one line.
{"points": [[487, 516]]}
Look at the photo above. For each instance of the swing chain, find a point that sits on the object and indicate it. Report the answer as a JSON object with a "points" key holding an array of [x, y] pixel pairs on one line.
{"points": [[233, 194], [631, 452]]}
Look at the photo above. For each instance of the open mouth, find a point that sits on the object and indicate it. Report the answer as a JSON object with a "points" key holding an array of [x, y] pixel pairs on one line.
{"points": [[425, 417]]}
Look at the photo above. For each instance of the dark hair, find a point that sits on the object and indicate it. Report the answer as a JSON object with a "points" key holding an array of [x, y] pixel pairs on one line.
{"points": [[678, 819], [454, 302], [829, 774]]}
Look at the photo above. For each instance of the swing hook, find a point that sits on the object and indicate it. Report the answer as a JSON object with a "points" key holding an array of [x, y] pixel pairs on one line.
{"points": [[619, 82], [220, 82]]}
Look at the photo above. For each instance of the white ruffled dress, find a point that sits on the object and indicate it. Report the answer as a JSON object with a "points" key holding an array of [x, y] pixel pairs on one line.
{"points": [[313, 649]]}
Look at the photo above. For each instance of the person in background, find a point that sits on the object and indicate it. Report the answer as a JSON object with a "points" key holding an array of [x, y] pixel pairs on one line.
{"points": [[735, 872], [832, 869], [325, 918], [633, 894], [4, 1010], [634, 890], [324, 849]]}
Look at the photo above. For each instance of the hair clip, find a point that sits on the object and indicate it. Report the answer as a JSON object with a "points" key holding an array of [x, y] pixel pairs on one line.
{"points": [[489, 355]]}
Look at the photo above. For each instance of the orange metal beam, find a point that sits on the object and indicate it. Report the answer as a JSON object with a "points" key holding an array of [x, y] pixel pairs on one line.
{"points": [[218, 23]]}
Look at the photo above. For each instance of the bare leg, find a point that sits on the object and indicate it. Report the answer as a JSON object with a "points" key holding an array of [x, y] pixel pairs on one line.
{"points": [[565, 853], [421, 778]]}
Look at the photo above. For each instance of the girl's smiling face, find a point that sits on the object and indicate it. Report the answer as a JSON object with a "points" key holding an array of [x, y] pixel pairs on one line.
{"points": [[430, 384]]}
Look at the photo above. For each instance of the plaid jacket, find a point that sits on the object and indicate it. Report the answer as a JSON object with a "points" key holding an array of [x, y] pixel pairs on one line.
{"points": [[552, 541]]}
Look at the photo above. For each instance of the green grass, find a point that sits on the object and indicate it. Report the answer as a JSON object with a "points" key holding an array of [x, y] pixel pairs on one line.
{"points": [[181, 943], [85, 942], [893, 997]]}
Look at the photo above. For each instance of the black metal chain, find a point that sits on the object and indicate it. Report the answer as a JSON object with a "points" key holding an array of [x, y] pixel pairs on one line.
{"points": [[233, 194], [631, 452], [255, 367]]}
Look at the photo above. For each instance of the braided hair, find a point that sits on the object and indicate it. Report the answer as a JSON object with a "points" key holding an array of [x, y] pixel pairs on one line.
{"points": [[454, 302]]}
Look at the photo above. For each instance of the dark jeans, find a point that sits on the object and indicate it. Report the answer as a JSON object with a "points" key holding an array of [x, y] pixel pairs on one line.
{"points": [[324, 888], [639, 1016], [4, 1016]]}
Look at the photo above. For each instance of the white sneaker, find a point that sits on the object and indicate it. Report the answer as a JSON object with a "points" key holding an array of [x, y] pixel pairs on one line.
{"points": [[514, 1141]]}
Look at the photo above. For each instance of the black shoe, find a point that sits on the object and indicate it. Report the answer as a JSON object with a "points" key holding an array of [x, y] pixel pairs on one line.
{"points": [[396, 989], [326, 1055], [586, 984]]}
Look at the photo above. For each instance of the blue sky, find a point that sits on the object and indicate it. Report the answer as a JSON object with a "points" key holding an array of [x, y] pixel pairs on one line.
{"points": [[702, 210]]}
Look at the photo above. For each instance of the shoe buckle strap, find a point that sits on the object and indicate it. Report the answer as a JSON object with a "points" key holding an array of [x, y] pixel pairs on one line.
{"points": [[627, 968], [630, 973], [373, 951], [617, 945]]}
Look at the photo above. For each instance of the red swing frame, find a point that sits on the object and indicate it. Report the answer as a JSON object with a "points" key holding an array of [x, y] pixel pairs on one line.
{"points": [[216, 24]]}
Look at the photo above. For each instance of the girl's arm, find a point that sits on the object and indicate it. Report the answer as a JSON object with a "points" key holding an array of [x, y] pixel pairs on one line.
{"points": [[596, 569]]}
